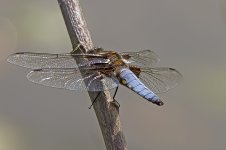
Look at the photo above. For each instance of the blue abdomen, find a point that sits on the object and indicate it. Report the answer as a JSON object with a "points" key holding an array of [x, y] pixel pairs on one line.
{"points": [[129, 79]]}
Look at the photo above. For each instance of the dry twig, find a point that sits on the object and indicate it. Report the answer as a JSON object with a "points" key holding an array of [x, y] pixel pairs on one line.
{"points": [[107, 113]]}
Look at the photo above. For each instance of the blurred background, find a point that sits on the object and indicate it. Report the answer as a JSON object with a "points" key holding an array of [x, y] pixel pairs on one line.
{"points": [[187, 35]]}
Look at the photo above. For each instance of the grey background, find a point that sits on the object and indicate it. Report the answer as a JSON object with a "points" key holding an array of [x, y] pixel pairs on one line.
{"points": [[189, 35]]}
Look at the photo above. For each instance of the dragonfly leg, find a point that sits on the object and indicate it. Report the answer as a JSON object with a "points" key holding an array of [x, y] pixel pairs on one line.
{"points": [[94, 100], [116, 90], [114, 101], [76, 48]]}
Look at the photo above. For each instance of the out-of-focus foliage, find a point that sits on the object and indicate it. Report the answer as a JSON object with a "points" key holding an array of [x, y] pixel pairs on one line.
{"points": [[10, 139]]}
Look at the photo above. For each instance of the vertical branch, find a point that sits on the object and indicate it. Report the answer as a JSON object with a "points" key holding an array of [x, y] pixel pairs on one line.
{"points": [[107, 113], [75, 23]]}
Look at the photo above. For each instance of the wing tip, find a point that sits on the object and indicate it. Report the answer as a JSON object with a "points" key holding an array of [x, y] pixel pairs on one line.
{"points": [[10, 59], [179, 75], [29, 75]]}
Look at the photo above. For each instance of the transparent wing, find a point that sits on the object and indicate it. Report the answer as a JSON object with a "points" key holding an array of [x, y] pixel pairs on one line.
{"points": [[71, 79], [142, 58], [160, 80], [45, 60]]}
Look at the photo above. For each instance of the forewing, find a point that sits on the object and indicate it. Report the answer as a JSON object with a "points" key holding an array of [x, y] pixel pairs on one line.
{"points": [[142, 58], [71, 79], [45, 60], [160, 80]]}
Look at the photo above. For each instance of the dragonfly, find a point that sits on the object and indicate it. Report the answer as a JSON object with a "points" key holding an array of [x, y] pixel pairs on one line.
{"points": [[100, 70]]}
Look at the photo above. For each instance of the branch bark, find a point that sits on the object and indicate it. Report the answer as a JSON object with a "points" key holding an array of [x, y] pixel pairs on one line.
{"points": [[106, 112]]}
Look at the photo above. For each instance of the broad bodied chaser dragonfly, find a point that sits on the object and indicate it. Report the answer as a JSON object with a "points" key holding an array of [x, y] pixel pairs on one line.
{"points": [[101, 70]]}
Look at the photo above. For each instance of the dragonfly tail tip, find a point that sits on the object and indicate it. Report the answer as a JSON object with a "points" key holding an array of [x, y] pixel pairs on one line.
{"points": [[159, 103]]}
